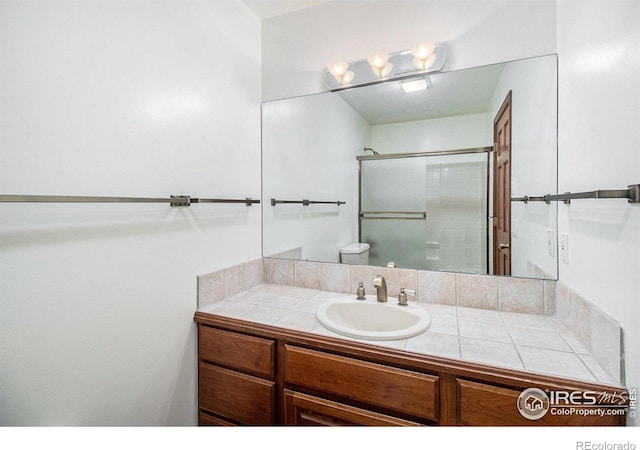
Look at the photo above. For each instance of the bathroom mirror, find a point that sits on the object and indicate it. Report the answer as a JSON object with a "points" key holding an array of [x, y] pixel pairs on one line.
{"points": [[414, 177]]}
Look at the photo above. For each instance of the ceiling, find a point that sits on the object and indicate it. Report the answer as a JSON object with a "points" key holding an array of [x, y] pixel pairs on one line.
{"points": [[265, 9], [453, 93]]}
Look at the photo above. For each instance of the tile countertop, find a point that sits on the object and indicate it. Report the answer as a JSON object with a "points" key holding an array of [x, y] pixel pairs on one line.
{"points": [[530, 342]]}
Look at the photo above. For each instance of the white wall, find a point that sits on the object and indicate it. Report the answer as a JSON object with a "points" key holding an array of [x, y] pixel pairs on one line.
{"points": [[297, 46], [129, 98], [599, 142], [303, 140], [446, 133]]}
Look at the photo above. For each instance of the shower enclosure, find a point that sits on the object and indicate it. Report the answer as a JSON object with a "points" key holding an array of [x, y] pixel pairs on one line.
{"points": [[426, 211]]}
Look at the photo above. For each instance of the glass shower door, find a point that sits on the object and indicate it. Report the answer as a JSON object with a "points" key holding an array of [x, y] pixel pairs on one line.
{"points": [[426, 212], [392, 208]]}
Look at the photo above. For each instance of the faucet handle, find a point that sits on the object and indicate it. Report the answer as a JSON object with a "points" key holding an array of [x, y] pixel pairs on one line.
{"points": [[402, 297]]}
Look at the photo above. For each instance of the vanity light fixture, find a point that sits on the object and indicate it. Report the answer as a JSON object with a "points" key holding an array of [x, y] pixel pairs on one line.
{"points": [[379, 67], [380, 64], [423, 55], [416, 84], [340, 72]]}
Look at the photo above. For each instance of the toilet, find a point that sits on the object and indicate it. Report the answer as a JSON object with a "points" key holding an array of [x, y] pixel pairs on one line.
{"points": [[357, 253]]}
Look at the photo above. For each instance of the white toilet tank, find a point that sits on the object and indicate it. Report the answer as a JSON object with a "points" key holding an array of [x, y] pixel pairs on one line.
{"points": [[357, 253]]}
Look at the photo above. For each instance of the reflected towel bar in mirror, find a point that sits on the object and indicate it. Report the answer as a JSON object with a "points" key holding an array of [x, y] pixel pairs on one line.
{"points": [[275, 202], [632, 194], [394, 215]]}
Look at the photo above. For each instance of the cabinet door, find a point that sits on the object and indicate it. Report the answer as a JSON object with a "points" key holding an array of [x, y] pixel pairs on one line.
{"points": [[303, 409], [483, 404]]}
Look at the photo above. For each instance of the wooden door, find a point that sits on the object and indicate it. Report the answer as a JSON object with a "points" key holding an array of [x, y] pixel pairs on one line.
{"points": [[502, 189]]}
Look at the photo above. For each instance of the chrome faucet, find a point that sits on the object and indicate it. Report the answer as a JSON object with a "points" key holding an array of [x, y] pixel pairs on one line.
{"points": [[381, 286]]}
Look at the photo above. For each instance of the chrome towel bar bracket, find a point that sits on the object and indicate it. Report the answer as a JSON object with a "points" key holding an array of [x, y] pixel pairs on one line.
{"points": [[304, 202]]}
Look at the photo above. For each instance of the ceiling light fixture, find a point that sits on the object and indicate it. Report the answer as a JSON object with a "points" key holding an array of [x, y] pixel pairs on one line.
{"points": [[422, 59], [419, 84]]}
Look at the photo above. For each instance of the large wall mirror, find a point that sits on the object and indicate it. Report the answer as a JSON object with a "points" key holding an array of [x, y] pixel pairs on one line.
{"points": [[424, 179]]}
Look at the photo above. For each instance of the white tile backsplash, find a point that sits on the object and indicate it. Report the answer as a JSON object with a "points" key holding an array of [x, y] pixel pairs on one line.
{"points": [[504, 321]]}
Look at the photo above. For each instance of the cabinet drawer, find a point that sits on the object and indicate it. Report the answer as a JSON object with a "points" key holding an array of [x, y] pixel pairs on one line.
{"points": [[237, 396], [484, 404], [239, 351], [400, 390], [303, 409]]}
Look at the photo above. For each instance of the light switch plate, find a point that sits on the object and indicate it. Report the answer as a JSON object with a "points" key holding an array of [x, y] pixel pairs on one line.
{"points": [[514, 228]]}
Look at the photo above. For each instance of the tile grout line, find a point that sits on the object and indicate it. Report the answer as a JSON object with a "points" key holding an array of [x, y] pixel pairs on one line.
{"points": [[524, 366]]}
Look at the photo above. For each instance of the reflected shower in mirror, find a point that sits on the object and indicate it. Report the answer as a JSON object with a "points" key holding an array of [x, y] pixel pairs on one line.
{"points": [[429, 199]]}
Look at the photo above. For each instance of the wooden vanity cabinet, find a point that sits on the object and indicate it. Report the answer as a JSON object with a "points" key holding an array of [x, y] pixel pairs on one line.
{"points": [[253, 374]]}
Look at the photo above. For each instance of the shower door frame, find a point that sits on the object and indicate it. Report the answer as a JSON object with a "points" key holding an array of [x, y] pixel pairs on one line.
{"points": [[463, 151]]}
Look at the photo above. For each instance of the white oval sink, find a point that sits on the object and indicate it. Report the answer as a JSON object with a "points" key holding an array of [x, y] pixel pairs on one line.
{"points": [[373, 320]]}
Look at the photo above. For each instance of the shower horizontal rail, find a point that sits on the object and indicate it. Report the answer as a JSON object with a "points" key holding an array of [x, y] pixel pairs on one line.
{"points": [[462, 151], [632, 194], [275, 202], [377, 215], [174, 200]]}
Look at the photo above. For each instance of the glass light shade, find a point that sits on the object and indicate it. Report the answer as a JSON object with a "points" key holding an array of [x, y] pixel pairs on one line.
{"points": [[338, 69], [346, 78], [378, 60], [424, 64], [386, 69], [423, 50]]}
